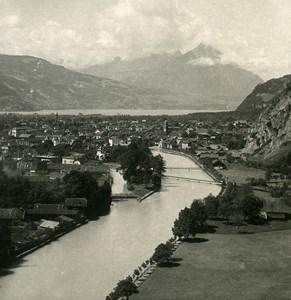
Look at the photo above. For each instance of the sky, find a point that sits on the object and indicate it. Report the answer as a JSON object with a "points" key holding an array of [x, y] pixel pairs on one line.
{"points": [[254, 34]]}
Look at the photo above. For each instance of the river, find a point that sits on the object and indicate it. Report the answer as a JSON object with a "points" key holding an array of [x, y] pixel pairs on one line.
{"points": [[88, 262]]}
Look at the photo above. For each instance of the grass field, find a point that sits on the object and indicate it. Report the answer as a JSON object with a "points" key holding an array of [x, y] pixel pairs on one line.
{"points": [[214, 266], [239, 173]]}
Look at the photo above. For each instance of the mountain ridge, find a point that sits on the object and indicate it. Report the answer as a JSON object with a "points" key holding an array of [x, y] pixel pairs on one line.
{"points": [[30, 83], [198, 71], [263, 94]]}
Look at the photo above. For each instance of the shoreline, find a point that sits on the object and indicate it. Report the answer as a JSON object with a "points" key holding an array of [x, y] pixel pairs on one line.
{"points": [[34, 245]]}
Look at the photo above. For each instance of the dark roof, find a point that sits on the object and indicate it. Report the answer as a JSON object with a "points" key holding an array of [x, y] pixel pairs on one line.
{"points": [[51, 209], [64, 219], [276, 215], [210, 155], [90, 168], [11, 214], [76, 202]]}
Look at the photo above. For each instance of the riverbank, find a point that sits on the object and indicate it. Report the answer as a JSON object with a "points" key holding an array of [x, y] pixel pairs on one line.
{"points": [[47, 238], [225, 267], [124, 239], [163, 283]]}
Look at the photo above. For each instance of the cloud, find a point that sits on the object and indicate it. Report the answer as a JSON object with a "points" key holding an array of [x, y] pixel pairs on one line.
{"points": [[135, 27], [203, 61], [9, 21], [252, 34]]}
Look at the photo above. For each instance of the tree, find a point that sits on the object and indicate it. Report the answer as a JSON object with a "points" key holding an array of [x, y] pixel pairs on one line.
{"points": [[250, 206], [268, 175], [82, 184], [199, 211], [5, 244], [228, 201], [124, 288], [139, 165], [225, 209], [185, 225], [212, 205], [162, 252]]}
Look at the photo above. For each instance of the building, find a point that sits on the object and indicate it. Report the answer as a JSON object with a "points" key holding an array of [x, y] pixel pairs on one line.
{"points": [[166, 127], [79, 204], [50, 211], [69, 160], [11, 215]]}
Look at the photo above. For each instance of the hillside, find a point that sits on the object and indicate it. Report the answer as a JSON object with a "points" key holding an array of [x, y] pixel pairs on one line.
{"points": [[264, 93], [270, 137], [30, 83], [199, 72]]}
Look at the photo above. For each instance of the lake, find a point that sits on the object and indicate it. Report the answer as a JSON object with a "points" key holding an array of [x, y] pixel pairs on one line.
{"points": [[112, 112]]}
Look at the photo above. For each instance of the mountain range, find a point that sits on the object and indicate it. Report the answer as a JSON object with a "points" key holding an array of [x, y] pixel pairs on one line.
{"points": [[29, 83], [200, 73], [195, 80]]}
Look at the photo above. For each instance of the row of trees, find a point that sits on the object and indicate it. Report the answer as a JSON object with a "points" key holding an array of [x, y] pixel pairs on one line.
{"points": [[235, 201]]}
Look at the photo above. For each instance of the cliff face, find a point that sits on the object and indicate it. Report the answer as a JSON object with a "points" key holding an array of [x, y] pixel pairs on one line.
{"points": [[264, 93], [270, 137]]}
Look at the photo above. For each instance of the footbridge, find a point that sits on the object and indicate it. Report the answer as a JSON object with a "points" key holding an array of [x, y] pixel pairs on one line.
{"points": [[123, 196], [193, 179], [183, 168]]}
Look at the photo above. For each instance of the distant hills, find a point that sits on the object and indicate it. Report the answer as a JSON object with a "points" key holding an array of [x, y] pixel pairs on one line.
{"points": [[196, 80], [199, 73], [264, 93], [29, 83]]}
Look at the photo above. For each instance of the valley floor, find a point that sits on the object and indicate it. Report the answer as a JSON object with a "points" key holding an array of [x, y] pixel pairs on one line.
{"points": [[218, 266]]}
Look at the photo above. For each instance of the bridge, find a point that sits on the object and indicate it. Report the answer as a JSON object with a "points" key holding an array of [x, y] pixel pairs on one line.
{"points": [[183, 168], [123, 196], [194, 179]]}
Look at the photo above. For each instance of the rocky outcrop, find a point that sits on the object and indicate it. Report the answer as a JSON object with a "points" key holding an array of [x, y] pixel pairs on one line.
{"points": [[270, 138], [263, 94]]}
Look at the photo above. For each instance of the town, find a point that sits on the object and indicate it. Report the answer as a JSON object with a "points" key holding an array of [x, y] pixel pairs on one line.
{"points": [[56, 172], [48, 153], [40, 153]]}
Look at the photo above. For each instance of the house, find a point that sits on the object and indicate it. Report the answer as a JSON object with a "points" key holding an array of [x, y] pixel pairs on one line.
{"points": [[210, 156], [76, 203], [276, 215], [113, 141], [202, 132], [64, 220], [218, 165], [69, 160], [28, 166], [185, 144], [49, 224], [16, 131], [11, 215], [100, 154], [50, 211], [56, 175]]}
